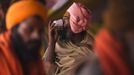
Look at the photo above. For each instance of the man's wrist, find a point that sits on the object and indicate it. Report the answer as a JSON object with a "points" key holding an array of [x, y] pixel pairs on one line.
{"points": [[51, 44]]}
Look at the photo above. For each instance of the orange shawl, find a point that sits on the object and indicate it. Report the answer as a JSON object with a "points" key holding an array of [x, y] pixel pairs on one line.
{"points": [[111, 54], [9, 63]]}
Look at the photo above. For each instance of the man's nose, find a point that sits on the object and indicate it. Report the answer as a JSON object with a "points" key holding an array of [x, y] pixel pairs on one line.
{"points": [[35, 35]]}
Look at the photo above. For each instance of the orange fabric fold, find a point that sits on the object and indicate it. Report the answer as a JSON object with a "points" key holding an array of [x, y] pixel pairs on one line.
{"points": [[111, 54], [9, 63]]}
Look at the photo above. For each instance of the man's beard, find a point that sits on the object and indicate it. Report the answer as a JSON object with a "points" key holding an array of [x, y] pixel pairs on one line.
{"points": [[27, 52], [64, 34], [67, 35]]}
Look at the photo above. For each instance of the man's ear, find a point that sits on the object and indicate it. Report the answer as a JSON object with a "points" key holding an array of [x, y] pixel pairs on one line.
{"points": [[67, 14]]}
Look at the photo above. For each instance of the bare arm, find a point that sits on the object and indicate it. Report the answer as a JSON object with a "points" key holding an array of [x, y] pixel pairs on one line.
{"points": [[50, 53], [50, 59]]}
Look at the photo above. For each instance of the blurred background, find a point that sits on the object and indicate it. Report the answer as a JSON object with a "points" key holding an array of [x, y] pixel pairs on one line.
{"points": [[57, 8]]}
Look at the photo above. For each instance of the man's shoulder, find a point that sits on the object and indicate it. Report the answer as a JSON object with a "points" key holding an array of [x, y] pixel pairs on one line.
{"points": [[4, 39], [90, 35]]}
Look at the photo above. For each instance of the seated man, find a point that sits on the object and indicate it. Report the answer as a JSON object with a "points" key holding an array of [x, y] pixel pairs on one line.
{"points": [[20, 44], [70, 44]]}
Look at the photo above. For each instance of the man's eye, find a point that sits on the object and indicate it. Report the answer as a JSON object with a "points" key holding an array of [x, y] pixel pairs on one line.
{"points": [[29, 29]]}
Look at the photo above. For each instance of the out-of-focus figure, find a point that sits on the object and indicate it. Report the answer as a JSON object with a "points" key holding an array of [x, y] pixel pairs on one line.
{"points": [[69, 42], [42, 1], [114, 46], [4, 4], [20, 44]]}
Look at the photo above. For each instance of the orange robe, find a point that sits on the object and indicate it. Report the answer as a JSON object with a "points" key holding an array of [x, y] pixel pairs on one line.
{"points": [[111, 54], [9, 63]]}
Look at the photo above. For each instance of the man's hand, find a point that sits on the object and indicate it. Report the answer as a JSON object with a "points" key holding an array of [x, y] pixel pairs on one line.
{"points": [[52, 33]]}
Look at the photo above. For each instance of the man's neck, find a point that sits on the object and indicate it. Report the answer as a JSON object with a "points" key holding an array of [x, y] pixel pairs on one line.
{"points": [[77, 38]]}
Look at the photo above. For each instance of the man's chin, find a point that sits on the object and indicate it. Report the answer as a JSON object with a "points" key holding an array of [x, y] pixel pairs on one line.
{"points": [[34, 48]]}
